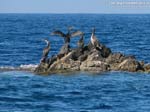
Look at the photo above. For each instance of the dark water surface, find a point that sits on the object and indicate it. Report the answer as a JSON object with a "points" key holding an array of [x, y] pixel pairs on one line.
{"points": [[21, 45]]}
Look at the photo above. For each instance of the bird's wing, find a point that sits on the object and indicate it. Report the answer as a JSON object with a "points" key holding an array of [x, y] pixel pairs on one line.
{"points": [[76, 33], [98, 44], [57, 32]]}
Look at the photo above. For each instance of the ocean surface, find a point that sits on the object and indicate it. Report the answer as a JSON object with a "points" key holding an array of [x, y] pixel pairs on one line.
{"points": [[21, 45]]}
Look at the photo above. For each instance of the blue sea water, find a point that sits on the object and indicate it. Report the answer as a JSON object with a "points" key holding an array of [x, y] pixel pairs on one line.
{"points": [[21, 45]]}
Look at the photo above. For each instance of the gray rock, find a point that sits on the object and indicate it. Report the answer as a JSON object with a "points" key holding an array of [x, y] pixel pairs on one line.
{"points": [[69, 65], [42, 68], [94, 66], [115, 58], [95, 55], [130, 65], [147, 68], [65, 63]]}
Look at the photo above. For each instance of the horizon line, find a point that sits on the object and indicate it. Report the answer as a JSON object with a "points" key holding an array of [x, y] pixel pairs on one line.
{"points": [[63, 13]]}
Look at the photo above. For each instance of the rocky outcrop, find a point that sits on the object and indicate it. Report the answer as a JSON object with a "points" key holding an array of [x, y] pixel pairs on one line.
{"points": [[91, 59], [120, 62], [147, 68]]}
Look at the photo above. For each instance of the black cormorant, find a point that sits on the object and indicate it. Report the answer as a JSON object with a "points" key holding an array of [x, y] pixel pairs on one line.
{"points": [[45, 51], [65, 49], [81, 42], [68, 35]]}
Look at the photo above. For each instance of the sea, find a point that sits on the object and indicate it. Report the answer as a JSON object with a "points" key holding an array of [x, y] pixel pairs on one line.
{"points": [[21, 46]]}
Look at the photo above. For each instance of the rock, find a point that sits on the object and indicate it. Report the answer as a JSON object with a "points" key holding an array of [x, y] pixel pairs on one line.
{"points": [[120, 62], [42, 68], [51, 60], [83, 57], [147, 68], [59, 56], [115, 58], [94, 66], [95, 55], [69, 56], [91, 59], [105, 52], [65, 63], [70, 65], [142, 63], [130, 65]]}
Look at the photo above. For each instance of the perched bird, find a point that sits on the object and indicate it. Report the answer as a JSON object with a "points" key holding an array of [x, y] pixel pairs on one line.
{"points": [[81, 41], [65, 49], [95, 42], [68, 35], [45, 51]]}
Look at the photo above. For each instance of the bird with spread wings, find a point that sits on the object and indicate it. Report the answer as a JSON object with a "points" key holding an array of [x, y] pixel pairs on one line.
{"points": [[68, 35]]}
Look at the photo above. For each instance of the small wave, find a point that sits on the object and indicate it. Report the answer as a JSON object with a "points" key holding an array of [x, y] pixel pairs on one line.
{"points": [[7, 68], [29, 67]]}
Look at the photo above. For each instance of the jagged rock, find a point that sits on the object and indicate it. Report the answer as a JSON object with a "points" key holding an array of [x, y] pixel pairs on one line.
{"points": [[105, 52], [42, 68], [83, 57], [95, 55], [147, 68], [70, 65], [94, 66], [118, 61], [130, 65], [115, 58], [142, 63], [66, 63]]}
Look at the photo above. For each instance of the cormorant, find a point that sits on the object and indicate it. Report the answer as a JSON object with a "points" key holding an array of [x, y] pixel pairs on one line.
{"points": [[45, 51], [68, 35], [65, 49], [95, 41], [81, 41]]}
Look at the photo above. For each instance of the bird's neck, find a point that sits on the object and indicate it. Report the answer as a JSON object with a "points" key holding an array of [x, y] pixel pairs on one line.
{"points": [[69, 31], [92, 36], [93, 32], [81, 38], [48, 45]]}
